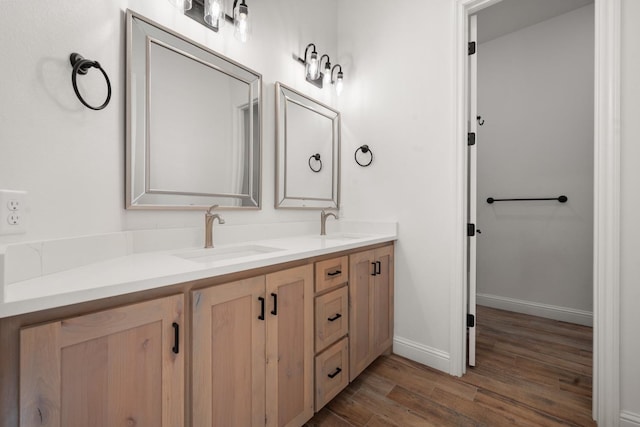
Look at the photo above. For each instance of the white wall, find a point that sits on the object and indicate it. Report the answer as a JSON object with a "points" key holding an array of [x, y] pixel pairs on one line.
{"points": [[535, 93], [630, 197], [398, 100], [71, 159]]}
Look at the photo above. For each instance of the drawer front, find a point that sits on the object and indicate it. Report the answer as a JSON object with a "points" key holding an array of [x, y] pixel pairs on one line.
{"points": [[332, 317], [332, 372], [331, 273]]}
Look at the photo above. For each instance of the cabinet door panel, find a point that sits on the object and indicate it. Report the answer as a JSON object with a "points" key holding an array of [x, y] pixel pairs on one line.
{"points": [[109, 368], [228, 355], [290, 347], [360, 311], [383, 301]]}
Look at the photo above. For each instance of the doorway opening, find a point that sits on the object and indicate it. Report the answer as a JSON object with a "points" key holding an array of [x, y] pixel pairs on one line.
{"points": [[606, 203], [532, 71]]}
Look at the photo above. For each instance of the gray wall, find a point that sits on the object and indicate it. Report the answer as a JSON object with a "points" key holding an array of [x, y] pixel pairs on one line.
{"points": [[535, 92]]}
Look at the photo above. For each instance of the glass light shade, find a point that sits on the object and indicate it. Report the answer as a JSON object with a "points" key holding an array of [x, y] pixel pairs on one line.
{"points": [[339, 84], [181, 5], [326, 78], [214, 13], [313, 68], [241, 22]]}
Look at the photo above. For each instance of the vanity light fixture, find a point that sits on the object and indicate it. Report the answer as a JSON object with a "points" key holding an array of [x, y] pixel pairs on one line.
{"points": [[313, 66], [211, 13], [339, 81]]}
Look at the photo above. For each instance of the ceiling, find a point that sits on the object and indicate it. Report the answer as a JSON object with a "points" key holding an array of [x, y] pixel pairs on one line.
{"points": [[512, 15]]}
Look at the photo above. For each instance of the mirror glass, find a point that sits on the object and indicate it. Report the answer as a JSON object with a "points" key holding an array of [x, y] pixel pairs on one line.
{"points": [[193, 123], [308, 152]]}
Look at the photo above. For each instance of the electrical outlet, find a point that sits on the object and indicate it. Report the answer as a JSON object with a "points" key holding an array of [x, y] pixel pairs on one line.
{"points": [[13, 219], [13, 212], [13, 205]]}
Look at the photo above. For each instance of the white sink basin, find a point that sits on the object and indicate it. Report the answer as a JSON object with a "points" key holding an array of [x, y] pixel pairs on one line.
{"points": [[221, 254]]}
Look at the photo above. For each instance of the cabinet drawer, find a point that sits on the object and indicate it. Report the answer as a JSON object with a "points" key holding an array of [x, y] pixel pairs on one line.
{"points": [[332, 372], [332, 317], [331, 273]]}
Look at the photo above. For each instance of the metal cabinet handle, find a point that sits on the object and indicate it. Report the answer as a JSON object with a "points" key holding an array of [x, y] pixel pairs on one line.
{"points": [[379, 268], [261, 299], [336, 372], [176, 338], [335, 273], [374, 269], [275, 304], [334, 318]]}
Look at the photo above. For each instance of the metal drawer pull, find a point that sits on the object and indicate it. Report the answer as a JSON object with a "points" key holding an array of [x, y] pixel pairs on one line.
{"points": [[334, 318], [379, 268], [261, 299], [275, 304], [374, 269], [335, 273], [176, 338], [338, 370]]}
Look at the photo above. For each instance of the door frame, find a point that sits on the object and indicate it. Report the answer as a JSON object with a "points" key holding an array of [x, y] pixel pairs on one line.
{"points": [[606, 227]]}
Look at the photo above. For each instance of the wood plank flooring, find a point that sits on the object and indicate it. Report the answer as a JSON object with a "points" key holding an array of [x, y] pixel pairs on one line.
{"points": [[530, 372]]}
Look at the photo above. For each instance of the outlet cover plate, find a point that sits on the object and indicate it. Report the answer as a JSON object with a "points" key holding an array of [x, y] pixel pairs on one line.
{"points": [[13, 204]]}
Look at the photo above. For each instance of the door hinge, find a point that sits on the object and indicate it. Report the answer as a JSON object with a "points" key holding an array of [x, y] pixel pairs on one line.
{"points": [[471, 230], [471, 138], [472, 48], [471, 320]]}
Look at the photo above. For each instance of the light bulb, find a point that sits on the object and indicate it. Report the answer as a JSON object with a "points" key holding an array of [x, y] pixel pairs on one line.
{"points": [[313, 69], [242, 24], [339, 84], [213, 13], [181, 5], [326, 79]]}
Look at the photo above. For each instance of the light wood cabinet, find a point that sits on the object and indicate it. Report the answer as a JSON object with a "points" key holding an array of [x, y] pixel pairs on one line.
{"points": [[331, 329], [371, 306], [118, 367], [229, 354], [290, 347], [253, 351], [332, 317], [263, 348], [332, 372], [331, 273]]}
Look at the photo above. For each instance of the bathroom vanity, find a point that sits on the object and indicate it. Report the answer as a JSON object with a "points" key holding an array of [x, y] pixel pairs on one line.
{"points": [[259, 333]]}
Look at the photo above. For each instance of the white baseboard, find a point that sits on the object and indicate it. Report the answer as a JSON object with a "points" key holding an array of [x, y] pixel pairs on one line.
{"points": [[421, 353], [629, 419], [554, 312]]}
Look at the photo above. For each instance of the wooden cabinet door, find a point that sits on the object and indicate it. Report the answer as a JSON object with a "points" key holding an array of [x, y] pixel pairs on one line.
{"points": [[290, 375], [229, 354], [117, 367], [361, 270], [382, 295], [371, 307]]}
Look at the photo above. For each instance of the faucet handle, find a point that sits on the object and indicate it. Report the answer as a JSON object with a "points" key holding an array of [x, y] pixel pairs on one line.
{"points": [[212, 208]]}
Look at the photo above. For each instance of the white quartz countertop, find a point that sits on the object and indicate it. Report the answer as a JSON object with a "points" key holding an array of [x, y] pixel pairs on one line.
{"points": [[148, 270]]}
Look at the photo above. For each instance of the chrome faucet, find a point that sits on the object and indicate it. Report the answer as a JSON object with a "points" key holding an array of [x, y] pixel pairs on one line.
{"points": [[208, 226], [323, 221]]}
